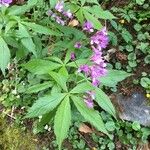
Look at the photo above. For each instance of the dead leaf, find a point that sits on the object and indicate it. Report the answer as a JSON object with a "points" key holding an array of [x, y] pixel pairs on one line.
{"points": [[85, 129], [73, 23], [143, 147]]}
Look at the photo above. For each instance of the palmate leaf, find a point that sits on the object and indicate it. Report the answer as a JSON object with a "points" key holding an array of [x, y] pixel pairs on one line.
{"points": [[4, 55], [94, 20], [82, 87], [104, 102], [44, 105], [39, 87], [26, 39], [60, 79], [113, 77], [41, 29], [90, 115], [62, 121], [39, 66]]}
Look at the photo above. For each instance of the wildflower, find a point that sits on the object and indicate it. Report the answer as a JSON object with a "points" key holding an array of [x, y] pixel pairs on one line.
{"points": [[59, 6], [97, 58], [5, 2], [77, 45], [89, 103], [88, 99], [100, 39], [49, 13], [85, 69], [68, 14], [88, 26], [72, 56], [59, 20]]}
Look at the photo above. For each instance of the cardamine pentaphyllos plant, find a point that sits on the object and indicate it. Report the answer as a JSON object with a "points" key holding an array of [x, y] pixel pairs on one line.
{"points": [[71, 76]]}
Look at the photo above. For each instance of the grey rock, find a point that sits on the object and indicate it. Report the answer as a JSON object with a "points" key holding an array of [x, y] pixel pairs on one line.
{"points": [[134, 108]]}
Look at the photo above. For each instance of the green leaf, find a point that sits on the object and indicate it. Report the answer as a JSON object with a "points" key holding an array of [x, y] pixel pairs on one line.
{"points": [[80, 16], [4, 55], [41, 29], [104, 102], [27, 41], [93, 1], [82, 87], [90, 115], [62, 121], [60, 79], [38, 87], [19, 10], [136, 126], [94, 20], [106, 15], [46, 118], [140, 2], [126, 36], [110, 125], [9, 25], [39, 66], [44, 105], [77, 63], [113, 77]]}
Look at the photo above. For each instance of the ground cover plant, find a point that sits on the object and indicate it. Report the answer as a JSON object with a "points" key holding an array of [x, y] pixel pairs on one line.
{"points": [[60, 61]]}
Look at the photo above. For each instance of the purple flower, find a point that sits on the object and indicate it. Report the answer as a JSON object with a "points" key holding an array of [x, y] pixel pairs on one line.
{"points": [[77, 45], [59, 6], [59, 20], [88, 99], [49, 13], [5, 2], [68, 14], [100, 39], [97, 58], [85, 69], [72, 56], [88, 26], [95, 82], [89, 103]]}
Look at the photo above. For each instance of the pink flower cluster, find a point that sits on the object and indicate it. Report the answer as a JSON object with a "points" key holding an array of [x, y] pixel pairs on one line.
{"points": [[88, 99], [5, 2], [98, 68], [60, 8]]}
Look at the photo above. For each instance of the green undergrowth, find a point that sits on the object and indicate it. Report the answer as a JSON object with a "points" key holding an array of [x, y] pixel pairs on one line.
{"points": [[13, 138]]}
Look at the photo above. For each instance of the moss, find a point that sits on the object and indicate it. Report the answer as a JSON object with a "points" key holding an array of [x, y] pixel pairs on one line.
{"points": [[12, 138]]}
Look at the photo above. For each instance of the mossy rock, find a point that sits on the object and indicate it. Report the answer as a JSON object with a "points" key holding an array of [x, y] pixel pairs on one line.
{"points": [[12, 138]]}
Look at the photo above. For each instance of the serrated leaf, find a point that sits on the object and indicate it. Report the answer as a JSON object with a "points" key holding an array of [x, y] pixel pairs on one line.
{"points": [[62, 121], [77, 63], [60, 80], [82, 87], [41, 29], [39, 66], [106, 15], [26, 40], [19, 10], [94, 20], [113, 77], [104, 102], [80, 16], [44, 105], [90, 115], [39, 87], [4, 55]]}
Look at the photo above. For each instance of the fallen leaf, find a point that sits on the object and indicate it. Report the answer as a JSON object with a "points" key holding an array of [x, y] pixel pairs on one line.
{"points": [[73, 23], [85, 129]]}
